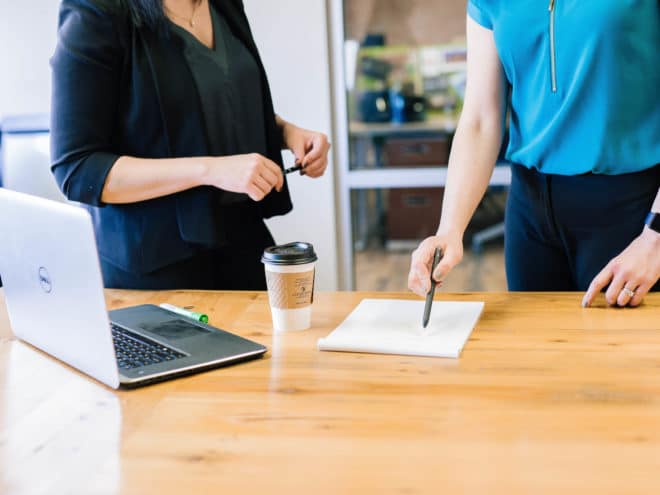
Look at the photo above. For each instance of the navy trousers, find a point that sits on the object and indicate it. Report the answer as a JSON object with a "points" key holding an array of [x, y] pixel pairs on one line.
{"points": [[562, 230]]}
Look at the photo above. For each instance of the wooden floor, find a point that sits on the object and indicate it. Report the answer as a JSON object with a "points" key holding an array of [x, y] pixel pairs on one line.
{"points": [[381, 270]]}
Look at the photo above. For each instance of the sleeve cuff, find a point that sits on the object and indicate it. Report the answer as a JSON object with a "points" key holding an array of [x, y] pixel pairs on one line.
{"points": [[478, 15], [84, 181]]}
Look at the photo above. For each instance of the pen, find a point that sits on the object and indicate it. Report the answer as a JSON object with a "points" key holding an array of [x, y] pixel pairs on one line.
{"points": [[293, 169], [429, 297], [184, 312]]}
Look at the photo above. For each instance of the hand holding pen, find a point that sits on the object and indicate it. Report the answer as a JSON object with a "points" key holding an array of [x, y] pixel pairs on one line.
{"points": [[421, 261], [296, 168], [309, 147], [437, 256]]}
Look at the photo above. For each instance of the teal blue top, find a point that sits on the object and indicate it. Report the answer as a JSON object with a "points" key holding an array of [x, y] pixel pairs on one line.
{"points": [[585, 82]]}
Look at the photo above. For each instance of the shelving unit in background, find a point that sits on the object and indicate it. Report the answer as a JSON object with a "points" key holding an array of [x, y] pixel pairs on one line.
{"points": [[357, 174], [365, 174]]}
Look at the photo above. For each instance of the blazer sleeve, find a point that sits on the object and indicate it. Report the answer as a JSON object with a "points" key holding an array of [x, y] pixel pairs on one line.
{"points": [[86, 75]]}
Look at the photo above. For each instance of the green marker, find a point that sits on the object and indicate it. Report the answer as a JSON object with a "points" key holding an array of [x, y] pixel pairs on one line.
{"points": [[184, 312]]}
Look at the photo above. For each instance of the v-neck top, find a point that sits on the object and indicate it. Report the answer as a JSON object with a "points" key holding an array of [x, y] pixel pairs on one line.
{"points": [[584, 78], [230, 91]]}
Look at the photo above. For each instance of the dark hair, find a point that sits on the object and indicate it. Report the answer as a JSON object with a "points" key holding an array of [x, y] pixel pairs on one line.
{"points": [[149, 13]]}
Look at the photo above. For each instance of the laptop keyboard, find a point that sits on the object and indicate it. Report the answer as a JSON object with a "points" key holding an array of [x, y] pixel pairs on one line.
{"points": [[135, 351]]}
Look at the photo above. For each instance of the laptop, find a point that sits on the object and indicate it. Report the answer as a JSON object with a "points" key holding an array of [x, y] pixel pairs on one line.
{"points": [[54, 294]]}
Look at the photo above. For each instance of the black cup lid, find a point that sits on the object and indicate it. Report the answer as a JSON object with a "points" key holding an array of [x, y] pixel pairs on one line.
{"points": [[295, 253]]}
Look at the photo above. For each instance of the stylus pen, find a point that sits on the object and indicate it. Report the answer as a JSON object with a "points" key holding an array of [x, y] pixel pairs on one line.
{"points": [[437, 256]]}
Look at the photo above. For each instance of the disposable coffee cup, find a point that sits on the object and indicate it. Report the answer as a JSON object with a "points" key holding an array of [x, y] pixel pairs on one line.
{"points": [[290, 270]]}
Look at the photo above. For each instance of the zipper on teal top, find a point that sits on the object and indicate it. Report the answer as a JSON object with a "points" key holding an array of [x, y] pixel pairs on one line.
{"points": [[553, 60]]}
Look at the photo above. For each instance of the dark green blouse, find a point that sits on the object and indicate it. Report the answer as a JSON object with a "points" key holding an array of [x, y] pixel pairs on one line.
{"points": [[230, 92]]}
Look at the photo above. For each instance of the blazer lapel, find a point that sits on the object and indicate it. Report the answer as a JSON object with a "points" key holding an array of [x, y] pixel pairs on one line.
{"points": [[180, 107], [238, 21], [235, 16], [182, 118]]}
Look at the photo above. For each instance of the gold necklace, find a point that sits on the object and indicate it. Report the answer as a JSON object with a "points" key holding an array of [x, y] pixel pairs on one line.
{"points": [[190, 21]]}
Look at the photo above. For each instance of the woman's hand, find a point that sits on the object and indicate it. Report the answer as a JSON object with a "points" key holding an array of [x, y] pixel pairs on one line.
{"points": [[636, 270], [310, 148], [251, 174], [419, 279]]}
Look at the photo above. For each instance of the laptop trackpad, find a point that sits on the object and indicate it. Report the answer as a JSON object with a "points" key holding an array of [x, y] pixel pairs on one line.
{"points": [[174, 329]]}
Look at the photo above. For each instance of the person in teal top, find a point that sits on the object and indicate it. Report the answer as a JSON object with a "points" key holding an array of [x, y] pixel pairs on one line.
{"points": [[583, 81]]}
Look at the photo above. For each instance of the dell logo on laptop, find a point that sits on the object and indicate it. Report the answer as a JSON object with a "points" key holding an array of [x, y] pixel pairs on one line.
{"points": [[44, 280]]}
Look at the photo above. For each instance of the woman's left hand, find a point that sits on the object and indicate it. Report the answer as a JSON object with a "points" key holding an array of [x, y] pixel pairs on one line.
{"points": [[310, 149], [631, 274]]}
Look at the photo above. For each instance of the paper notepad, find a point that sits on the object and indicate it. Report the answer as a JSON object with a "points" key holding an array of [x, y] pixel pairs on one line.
{"points": [[387, 326]]}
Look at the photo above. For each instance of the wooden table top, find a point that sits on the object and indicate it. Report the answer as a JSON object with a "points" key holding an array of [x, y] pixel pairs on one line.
{"points": [[546, 398]]}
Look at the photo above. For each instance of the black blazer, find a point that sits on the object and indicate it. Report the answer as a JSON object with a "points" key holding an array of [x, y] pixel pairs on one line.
{"points": [[120, 89]]}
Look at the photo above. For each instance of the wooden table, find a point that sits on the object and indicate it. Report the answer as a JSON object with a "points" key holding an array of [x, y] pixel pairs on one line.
{"points": [[547, 398]]}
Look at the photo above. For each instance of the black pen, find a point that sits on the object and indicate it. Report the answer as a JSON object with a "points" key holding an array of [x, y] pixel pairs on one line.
{"points": [[429, 297], [293, 169]]}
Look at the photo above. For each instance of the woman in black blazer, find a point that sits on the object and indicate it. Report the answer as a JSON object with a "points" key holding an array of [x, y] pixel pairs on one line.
{"points": [[163, 127]]}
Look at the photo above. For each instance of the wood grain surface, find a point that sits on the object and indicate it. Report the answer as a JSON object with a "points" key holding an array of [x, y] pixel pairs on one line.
{"points": [[547, 398]]}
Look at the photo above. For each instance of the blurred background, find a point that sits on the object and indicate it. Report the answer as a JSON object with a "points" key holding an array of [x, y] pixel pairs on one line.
{"points": [[405, 81], [384, 79]]}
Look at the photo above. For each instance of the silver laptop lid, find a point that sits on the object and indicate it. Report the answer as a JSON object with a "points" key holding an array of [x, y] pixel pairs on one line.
{"points": [[52, 281]]}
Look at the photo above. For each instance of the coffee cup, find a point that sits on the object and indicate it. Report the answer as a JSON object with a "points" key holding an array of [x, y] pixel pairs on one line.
{"points": [[290, 270]]}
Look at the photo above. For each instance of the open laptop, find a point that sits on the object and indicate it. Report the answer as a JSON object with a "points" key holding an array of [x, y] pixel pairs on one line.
{"points": [[54, 293]]}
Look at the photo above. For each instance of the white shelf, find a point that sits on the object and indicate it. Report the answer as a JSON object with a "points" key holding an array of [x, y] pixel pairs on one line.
{"points": [[396, 178]]}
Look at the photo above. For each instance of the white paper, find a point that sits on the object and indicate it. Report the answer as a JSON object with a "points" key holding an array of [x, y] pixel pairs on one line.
{"points": [[389, 326]]}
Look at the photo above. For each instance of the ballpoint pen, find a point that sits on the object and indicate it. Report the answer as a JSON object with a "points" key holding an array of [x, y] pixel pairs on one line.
{"points": [[429, 297]]}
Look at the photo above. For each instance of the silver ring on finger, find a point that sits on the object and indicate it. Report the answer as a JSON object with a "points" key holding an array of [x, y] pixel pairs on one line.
{"points": [[628, 292]]}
